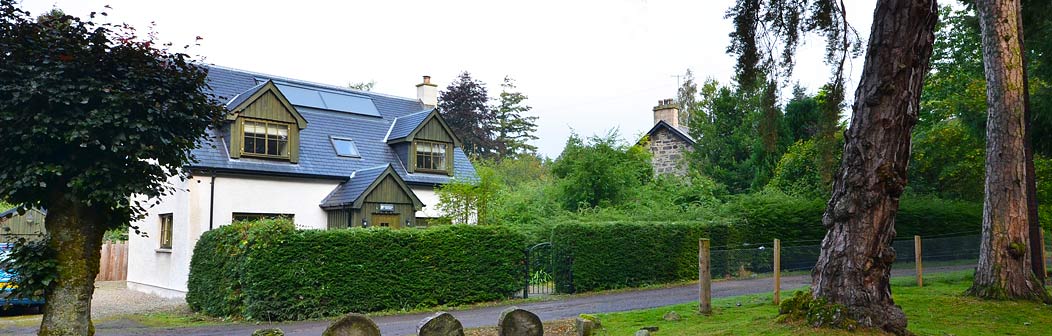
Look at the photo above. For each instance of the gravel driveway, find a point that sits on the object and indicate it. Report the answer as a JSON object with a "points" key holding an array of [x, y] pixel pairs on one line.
{"points": [[112, 298]]}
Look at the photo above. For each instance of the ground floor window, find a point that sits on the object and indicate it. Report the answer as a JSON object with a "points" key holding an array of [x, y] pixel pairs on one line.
{"points": [[166, 231], [252, 216]]}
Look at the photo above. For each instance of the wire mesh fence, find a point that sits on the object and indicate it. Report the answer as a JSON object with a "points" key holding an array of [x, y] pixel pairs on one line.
{"points": [[756, 259]]}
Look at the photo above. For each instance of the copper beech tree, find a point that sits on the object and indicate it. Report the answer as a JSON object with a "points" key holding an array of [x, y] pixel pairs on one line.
{"points": [[90, 115], [854, 267]]}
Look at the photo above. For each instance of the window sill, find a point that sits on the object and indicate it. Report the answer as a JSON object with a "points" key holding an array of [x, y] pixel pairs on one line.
{"points": [[431, 171], [163, 250]]}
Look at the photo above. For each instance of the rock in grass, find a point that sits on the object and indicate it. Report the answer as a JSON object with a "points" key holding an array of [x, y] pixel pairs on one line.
{"points": [[584, 327], [440, 324], [596, 324], [268, 332], [671, 316], [642, 332], [352, 325]]}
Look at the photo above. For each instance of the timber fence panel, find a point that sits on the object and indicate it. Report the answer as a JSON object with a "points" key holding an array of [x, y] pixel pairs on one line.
{"points": [[113, 264]]}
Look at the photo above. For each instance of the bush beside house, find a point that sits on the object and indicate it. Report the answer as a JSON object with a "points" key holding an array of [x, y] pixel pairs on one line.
{"points": [[265, 271]]}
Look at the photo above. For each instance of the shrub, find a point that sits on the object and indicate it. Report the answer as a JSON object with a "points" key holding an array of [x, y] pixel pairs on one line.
{"points": [[597, 256], [605, 255], [797, 221], [217, 266], [265, 273]]}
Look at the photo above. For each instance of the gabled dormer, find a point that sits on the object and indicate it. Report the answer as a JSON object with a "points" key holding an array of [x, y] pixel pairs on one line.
{"points": [[264, 125], [424, 142]]}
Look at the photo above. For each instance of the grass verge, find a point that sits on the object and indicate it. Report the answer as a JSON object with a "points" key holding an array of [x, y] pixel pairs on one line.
{"points": [[939, 308]]}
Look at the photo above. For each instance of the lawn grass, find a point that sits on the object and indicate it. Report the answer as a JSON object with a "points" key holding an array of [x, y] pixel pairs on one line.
{"points": [[939, 308]]}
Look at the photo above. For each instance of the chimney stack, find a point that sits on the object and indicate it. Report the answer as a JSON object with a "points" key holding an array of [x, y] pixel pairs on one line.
{"points": [[427, 93], [668, 111]]}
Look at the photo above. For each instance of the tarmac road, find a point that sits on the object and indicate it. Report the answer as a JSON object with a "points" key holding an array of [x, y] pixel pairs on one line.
{"points": [[557, 309]]}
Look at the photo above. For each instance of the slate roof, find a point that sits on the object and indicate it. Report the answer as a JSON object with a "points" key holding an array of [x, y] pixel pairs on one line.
{"points": [[242, 97], [680, 133], [349, 191], [317, 157], [404, 125]]}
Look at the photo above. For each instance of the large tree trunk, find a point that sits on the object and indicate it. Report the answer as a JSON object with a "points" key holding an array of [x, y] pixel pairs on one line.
{"points": [[1036, 244], [1005, 265], [76, 241], [855, 265]]}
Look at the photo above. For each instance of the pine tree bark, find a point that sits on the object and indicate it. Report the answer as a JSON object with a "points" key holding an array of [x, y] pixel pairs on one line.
{"points": [[77, 243], [1005, 258], [854, 267]]}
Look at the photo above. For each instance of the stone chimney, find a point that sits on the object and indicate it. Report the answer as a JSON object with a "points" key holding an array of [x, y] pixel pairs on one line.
{"points": [[668, 111], [427, 92]]}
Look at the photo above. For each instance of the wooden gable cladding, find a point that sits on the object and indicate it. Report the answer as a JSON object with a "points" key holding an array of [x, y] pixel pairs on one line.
{"points": [[388, 191], [388, 188], [433, 130], [266, 103], [268, 107], [28, 225], [387, 197]]}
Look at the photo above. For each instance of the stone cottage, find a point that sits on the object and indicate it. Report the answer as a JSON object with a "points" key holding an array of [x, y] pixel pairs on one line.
{"points": [[668, 142]]}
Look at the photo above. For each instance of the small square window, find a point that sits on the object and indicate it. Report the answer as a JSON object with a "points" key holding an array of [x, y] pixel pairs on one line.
{"points": [[345, 147]]}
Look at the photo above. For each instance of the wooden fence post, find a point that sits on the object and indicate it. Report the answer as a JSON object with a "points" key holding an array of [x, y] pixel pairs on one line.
{"points": [[777, 271], [1044, 254], [917, 255], [704, 278]]}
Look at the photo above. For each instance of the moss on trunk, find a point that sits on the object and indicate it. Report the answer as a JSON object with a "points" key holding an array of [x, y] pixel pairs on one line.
{"points": [[76, 238]]}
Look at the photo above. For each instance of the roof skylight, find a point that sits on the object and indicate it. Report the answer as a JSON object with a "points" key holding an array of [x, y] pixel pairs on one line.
{"points": [[345, 147]]}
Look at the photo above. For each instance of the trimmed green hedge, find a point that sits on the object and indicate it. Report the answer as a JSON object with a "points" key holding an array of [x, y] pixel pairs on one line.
{"points": [[279, 274], [217, 266], [598, 256]]}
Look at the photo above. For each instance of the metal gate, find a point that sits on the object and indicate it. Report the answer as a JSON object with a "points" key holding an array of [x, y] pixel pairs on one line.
{"points": [[540, 270]]}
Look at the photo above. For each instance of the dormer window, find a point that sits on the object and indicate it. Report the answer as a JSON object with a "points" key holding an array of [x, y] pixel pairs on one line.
{"points": [[265, 138], [344, 147], [431, 156]]}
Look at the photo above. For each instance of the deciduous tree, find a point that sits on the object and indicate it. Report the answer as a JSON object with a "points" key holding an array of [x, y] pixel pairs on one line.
{"points": [[90, 115], [465, 106]]}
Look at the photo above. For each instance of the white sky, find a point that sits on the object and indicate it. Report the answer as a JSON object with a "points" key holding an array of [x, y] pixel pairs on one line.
{"points": [[587, 66]]}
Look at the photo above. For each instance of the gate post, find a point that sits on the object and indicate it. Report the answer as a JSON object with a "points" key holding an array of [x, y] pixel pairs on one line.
{"points": [[526, 264]]}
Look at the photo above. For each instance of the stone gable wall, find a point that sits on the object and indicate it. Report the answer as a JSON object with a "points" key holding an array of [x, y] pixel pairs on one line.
{"points": [[668, 153]]}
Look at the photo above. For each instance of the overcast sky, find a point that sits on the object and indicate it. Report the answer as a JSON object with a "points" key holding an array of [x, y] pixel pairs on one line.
{"points": [[587, 66]]}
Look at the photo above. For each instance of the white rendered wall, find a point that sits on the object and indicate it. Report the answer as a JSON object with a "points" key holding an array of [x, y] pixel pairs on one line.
{"points": [[153, 270], [427, 196], [165, 273]]}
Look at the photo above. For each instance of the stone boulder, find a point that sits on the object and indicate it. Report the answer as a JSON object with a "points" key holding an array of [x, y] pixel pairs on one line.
{"points": [[352, 325], [440, 324], [518, 322]]}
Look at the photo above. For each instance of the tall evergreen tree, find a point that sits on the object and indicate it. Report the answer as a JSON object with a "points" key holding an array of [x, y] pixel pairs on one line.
{"points": [[464, 105], [1005, 267], [854, 267], [514, 130], [687, 97], [801, 115]]}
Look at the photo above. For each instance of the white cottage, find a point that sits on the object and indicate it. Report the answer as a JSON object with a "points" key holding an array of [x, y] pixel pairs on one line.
{"points": [[327, 157]]}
